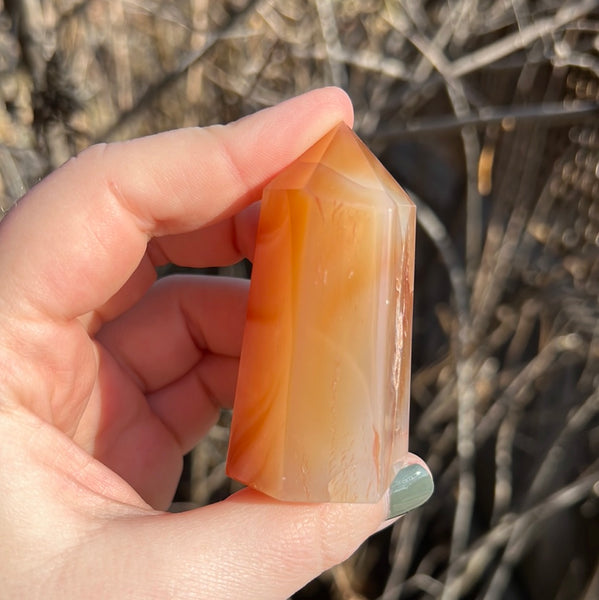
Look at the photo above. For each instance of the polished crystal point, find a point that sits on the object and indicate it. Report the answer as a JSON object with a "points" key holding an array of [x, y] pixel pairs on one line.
{"points": [[321, 409]]}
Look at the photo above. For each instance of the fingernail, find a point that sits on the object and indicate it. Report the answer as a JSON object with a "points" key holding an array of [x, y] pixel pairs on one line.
{"points": [[412, 487]]}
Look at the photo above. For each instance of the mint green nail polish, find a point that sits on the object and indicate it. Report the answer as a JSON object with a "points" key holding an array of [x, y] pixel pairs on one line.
{"points": [[411, 487]]}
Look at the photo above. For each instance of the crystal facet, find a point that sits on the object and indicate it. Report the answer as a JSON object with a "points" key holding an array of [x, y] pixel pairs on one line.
{"points": [[321, 409]]}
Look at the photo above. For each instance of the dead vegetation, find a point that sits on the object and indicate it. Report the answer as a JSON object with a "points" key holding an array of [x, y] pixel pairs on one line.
{"points": [[488, 113]]}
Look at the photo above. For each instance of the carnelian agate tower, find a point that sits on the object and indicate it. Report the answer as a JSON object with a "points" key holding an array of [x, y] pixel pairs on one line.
{"points": [[321, 410]]}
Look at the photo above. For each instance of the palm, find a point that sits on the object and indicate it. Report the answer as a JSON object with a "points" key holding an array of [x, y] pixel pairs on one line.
{"points": [[120, 429], [150, 382]]}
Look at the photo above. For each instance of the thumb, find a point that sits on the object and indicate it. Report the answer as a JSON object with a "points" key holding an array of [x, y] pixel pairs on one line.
{"points": [[251, 546]]}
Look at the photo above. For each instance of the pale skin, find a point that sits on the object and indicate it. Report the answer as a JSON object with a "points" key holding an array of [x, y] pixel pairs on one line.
{"points": [[107, 378]]}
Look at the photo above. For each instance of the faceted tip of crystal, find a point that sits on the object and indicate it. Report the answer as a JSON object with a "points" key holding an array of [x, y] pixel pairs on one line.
{"points": [[345, 155]]}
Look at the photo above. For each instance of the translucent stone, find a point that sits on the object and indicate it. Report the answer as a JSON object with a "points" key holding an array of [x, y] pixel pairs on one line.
{"points": [[321, 409]]}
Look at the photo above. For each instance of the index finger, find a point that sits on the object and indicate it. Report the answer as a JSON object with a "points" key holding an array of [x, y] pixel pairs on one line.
{"points": [[73, 241]]}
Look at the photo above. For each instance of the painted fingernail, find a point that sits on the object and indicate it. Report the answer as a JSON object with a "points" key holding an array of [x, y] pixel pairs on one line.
{"points": [[412, 487]]}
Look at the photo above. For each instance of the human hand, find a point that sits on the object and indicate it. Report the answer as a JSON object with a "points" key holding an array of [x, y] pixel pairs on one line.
{"points": [[108, 378]]}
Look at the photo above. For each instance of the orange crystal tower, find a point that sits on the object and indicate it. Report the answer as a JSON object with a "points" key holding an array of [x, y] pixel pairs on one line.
{"points": [[321, 409]]}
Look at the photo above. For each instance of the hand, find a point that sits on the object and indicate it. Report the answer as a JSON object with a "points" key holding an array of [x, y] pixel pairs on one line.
{"points": [[108, 378]]}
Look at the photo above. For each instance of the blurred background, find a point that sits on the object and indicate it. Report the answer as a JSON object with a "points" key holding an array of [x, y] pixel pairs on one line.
{"points": [[487, 112]]}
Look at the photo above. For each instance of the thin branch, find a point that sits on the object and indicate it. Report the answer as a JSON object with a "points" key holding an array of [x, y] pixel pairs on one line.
{"points": [[576, 423], [360, 59], [552, 113], [440, 237], [330, 34], [521, 39]]}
